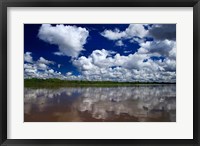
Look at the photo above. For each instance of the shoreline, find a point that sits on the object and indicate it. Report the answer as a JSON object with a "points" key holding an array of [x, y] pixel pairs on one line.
{"points": [[55, 83]]}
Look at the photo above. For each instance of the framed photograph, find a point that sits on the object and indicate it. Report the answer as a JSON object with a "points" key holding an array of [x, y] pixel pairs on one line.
{"points": [[104, 72]]}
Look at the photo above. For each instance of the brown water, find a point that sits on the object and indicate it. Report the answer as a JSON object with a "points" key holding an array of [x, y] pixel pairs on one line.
{"points": [[149, 103]]}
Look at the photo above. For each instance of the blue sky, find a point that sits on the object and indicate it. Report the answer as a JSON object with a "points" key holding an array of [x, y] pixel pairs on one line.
{"points": [[117, 52]]}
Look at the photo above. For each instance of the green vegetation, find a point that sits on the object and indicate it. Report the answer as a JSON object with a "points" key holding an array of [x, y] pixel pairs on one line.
{"points": [[54, 83]]}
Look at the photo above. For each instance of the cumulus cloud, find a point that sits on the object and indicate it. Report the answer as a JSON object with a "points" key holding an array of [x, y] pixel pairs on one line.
{"points": [[42, 66], [137, 40], [29, 69], [132, 30], [70, 39], [136, 30], [28, 57], [51, 71], [119, 43], [136, 33], [108, 65], [69, 73], [113, 35], [44, 61], [104, 65], [40, 69], [165, 48], [133, 67]]}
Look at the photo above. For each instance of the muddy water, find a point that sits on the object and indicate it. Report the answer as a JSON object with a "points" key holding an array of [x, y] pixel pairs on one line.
{"points": [[149, 103]]}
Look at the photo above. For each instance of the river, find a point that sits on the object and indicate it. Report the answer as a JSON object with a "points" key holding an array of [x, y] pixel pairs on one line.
{"points": [[143, 103]]}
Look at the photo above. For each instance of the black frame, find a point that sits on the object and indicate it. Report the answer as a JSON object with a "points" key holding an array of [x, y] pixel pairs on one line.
{"points": [[98, 3]]}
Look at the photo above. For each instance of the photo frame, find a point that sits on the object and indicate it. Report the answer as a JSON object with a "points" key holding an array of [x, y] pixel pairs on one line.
{"points": [[195, 4]]}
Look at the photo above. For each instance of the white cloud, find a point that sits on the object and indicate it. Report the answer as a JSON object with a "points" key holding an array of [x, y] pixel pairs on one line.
{"points": [[108, 65], [69, 73], [136, 30], [136, 33], [51, 71], [42, 66], [142, 50], [28, 57], [163, 48], [30, 68], [101, 66], [127, 51], [44, 61], [137, 40], [83, 63], [58, 53], [113, 35], [104, 65], [70, 39], [119, 43], [172, 53], [133, 30], [41, 69]]}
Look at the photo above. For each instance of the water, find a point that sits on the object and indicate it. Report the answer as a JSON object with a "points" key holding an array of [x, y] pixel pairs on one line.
{"points": [[148, 103]]}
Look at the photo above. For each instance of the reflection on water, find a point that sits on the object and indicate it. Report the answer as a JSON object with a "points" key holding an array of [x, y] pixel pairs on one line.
{"points": [[139, 104]]}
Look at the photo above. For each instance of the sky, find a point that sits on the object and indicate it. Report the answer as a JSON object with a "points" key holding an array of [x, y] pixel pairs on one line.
{"points": [[101, 52]]}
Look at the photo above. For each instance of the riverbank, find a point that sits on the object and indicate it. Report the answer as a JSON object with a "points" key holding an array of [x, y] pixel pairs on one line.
{"points": [[53, 83]]}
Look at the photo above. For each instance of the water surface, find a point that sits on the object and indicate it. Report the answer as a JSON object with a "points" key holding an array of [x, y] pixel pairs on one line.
{"points": [[144, 103]]}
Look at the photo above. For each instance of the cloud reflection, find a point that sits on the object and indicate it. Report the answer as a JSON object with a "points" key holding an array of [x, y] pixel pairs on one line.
{"points": [[143, 103]]}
